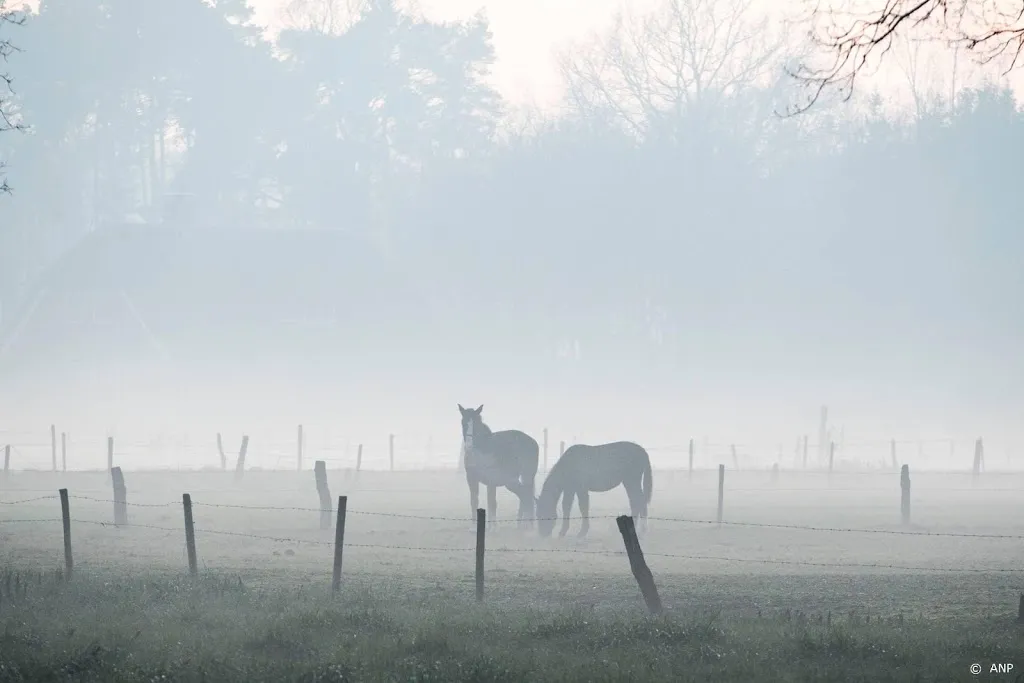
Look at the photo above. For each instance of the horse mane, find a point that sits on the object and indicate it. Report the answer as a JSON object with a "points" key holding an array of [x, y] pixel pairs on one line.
{"points": [[485, 431]]}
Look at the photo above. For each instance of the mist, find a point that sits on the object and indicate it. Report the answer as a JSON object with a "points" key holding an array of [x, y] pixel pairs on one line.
{"points": [[323, 227]]}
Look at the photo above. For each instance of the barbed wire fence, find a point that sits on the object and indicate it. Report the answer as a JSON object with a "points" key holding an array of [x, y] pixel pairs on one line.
{"points": [[631, 551]]}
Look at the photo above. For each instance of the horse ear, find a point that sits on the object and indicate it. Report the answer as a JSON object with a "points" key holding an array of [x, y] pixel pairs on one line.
{"points": [[461, 409], [480, 409]]}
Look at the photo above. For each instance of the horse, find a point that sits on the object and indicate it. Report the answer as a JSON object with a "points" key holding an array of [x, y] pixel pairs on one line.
{"points": [[507, 458], [583, 469]]}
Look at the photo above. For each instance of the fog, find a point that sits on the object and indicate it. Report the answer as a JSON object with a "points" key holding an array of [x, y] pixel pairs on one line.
{"points": [[241, 236]]}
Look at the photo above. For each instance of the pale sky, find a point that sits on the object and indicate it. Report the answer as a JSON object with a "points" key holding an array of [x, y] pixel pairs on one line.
{"points": [[526, 32]]}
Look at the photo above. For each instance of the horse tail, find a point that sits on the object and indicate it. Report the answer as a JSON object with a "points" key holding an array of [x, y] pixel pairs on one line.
{"points": [[648, 480]]}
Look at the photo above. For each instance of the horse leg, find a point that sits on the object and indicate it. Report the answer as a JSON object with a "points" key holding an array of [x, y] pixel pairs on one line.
{"points": [[492, 503], [566, 511], [584, 497], [636, 503], [474, 495]]}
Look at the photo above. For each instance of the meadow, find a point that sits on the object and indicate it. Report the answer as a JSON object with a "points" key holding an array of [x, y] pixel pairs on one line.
{"points": [[812, 577]]}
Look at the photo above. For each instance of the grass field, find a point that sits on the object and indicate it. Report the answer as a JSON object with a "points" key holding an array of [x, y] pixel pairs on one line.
{"points": [[744, 603]]}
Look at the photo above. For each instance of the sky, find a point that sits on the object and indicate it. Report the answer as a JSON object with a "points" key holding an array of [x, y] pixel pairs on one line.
{"points": [[528, 33]]}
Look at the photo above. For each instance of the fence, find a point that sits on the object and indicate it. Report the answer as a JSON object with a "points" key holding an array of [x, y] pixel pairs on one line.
{"points": [[195, 514], [395, 452]]}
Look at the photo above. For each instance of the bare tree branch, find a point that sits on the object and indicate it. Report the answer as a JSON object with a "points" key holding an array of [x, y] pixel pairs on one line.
{"points": [[649, 73], [8, 118], [990, 29]]}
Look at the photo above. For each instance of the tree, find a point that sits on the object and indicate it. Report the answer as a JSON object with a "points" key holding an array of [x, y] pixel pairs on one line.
{"points": [[672, 69], [851, 41], [9, 119]]}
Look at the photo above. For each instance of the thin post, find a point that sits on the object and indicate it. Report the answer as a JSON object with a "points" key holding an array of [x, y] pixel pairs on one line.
{"points": [[391, 450], [892, 452], [53, 446], [822, 433], [638, 565], [120, 497], [831, 455], [545, 449], [905, 494], [339, 542], [805, 451], [298, 456], [979, 457], [735, 460], [481, 533], [7, 459], [63, 452], [359, 458], [190, 535], [110, 453], [690, 469], [220, 449], [65, 517], [721, 491], [320, 472], [240, 463]]}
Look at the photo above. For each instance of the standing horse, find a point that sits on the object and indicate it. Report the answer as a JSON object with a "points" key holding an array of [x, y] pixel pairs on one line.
{"points": [[508, 458], [583, 469]]}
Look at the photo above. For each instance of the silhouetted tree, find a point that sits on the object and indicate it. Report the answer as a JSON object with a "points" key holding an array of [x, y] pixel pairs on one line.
{"points": [[989, 30]]}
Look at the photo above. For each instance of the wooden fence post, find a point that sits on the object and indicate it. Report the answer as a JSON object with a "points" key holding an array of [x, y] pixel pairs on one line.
{"points": [[481, 533], [690, 468], [120, 497], [545, 449], [65, 516], [641, 572], [320, 472], [298, 457], [64, 451], [359, 458], [735, 460], [110, 453], [7, 459], [892, 453], [220, 450], [53, 446], [979, 457], [721, 491], [240, 463], [190, 535], [905, 494], [339, 542], [391, 450]]}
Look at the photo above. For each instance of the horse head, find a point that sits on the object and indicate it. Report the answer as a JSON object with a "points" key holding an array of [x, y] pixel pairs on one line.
{"points": [[471, 423], [544, 511]]}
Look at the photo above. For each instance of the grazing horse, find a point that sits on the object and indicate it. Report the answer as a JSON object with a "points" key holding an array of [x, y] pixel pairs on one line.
{"points": [[583, 469], [508, 458]]}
